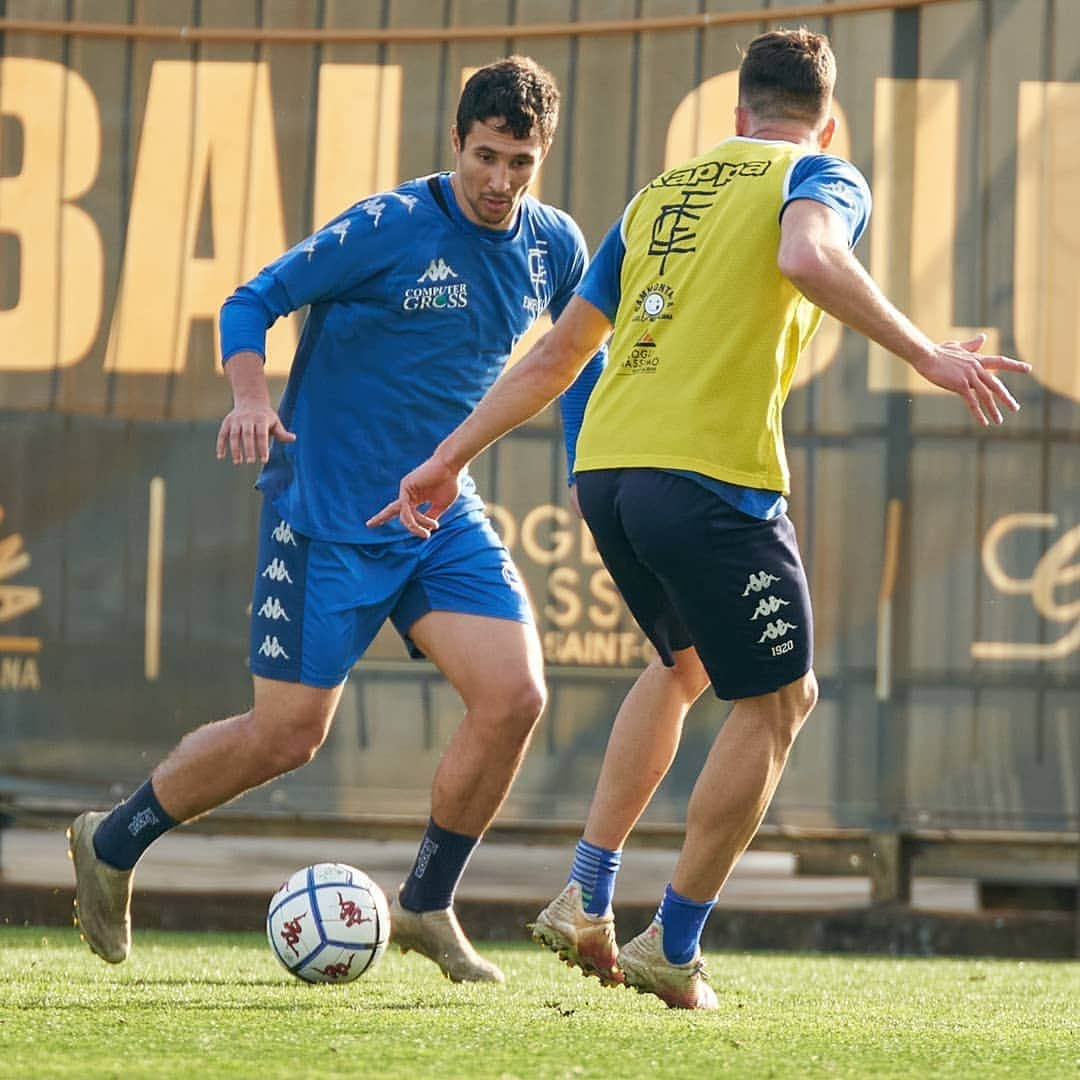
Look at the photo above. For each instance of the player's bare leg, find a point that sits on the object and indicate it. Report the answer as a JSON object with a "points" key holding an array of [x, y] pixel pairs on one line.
{"points": [[642, 746], [213, 764], [640, 750], [737, 783], [728, 802], [496, 666]]}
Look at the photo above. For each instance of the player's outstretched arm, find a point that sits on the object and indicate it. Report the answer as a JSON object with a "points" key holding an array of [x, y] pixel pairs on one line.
{"points": [[548, 368], [246, 431], [815, 257]]}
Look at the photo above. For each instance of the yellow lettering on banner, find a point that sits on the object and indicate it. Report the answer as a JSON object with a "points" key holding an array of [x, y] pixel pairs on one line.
{"points": [[504, 524], [916, 130], [356, 151], [1053, 571], [61, 260], [1047, 262], [607, 613], [563, 586], [561, 541], [207, 140], [702, 119]]}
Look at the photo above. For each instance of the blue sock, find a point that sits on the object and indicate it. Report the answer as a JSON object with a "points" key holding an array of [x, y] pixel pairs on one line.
{"points": [[682, 920], [594, 870], [131, 828], [440, 862]]}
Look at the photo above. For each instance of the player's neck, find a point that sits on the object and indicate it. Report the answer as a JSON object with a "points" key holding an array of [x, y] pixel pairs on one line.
{"points": [[781, 131]]}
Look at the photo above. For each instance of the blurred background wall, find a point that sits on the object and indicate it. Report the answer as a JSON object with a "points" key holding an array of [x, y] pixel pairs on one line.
{"points": [[144, 172]]}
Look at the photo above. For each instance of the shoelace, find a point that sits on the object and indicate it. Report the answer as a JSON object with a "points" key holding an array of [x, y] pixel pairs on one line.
{"points": [[699, 970]]}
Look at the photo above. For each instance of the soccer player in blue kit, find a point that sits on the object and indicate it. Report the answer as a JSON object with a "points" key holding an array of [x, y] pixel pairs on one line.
{"points": [[417, 297], [711, 284]]}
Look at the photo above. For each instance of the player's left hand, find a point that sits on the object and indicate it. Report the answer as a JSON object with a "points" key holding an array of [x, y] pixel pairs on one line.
{"points": [[432, 485], [960, 367]]}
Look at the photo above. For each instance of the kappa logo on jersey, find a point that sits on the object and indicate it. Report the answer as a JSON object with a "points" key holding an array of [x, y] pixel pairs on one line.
{"points": [[438, 270], [769, 606], [338, 229], [272, 608], [437, 297], [276, 570], [714, 174], [839, 191], [272, 648], [374, 209], [759, 582], [776, 630], [283, 534]]}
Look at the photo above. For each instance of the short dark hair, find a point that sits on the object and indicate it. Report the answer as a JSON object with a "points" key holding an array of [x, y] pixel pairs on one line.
{"points": [[788, 74], [518, 91]]}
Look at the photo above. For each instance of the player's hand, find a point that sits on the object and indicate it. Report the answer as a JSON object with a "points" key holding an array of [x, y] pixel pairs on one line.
{"points": [[960, 367], [431, 485], [246, 433], [574, 501]]}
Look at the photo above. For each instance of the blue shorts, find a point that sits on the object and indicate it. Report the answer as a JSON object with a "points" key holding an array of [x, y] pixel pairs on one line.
{"points": [[317, 606], [693, 570]]}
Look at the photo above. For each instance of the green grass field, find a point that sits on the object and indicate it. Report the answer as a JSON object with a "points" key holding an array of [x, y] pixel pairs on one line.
{"points": [[218, 1005]]}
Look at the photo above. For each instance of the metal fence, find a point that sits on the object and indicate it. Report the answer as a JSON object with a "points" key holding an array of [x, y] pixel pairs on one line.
{"points": [[142, 177]]}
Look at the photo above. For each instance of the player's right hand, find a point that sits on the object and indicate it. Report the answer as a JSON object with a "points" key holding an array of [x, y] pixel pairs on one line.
{"points": [[246, 433], [423, 495]]}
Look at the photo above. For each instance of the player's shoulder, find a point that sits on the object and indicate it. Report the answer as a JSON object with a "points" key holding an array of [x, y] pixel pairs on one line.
{"points": [[825, 167], [393, 210], [555, 224]]}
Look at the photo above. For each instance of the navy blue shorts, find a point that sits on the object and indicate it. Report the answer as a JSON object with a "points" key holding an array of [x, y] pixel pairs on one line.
{"points": [[694, 571], [317, 605]]}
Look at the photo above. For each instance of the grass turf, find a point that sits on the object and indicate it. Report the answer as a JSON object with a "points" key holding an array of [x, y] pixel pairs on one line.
{"points": [[217, 1005]]}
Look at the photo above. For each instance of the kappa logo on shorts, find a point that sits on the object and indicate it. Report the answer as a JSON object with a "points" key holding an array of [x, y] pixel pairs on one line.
{"points": [[776, 630], [276, 570], [283, 534], [273, 648], [273, 608], [759, 582], [769, 606]]}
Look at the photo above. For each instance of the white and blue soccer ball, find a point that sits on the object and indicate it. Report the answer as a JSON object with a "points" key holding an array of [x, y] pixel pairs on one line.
{"points": [[329, 923]]}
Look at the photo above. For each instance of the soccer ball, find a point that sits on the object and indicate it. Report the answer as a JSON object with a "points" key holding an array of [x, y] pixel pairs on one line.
{"points": [[328, 923]]}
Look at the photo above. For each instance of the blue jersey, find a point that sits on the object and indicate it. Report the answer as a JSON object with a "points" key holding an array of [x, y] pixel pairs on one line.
{"points": [[414, 311]]}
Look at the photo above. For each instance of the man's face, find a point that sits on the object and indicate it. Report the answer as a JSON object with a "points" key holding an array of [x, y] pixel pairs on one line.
{"points": [[493, 171]]}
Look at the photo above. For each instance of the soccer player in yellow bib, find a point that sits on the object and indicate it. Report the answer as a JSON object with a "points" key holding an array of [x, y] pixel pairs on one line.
{"points": [[714, 279]]}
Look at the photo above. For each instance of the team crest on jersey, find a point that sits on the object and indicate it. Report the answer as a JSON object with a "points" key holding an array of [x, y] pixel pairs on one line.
{"points": [[537, 267], [654, 302]]}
